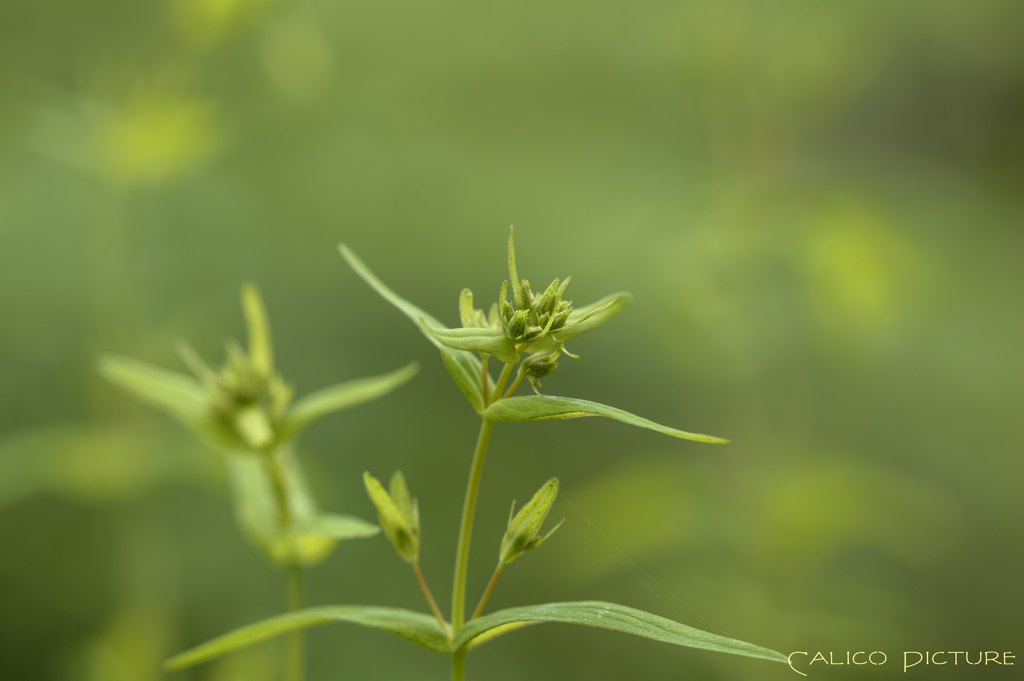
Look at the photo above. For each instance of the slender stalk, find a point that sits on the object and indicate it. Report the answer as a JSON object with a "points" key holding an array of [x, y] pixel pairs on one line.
{"points": [[430, 599], [512, 389], [484, 377], [487, 591], [465, 532], [500, 385], [272, 464], [294, 647]]}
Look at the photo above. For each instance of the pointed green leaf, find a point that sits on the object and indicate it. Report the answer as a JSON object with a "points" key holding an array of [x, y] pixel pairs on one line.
{"points": [[494, 633], [418, 627], [260, 350], [615, 618], [541, 407], [463, 366], [467, 372], [513, 274], [335, 526], [411, 311], [195, 363], [586, 318], [467, 313], [478, 340], [342, 396], [179, 394]]}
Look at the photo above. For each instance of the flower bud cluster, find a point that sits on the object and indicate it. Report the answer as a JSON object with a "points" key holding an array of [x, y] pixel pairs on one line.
{"points": [[534, 316], [248, 398]]}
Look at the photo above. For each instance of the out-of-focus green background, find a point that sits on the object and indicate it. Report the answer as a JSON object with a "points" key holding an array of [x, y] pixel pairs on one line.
{"points": [[818, 207]]}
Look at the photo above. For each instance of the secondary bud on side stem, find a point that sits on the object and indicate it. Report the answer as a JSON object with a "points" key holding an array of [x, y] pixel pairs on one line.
{"points": [[523, 528], [399, 515], [540, 364]]}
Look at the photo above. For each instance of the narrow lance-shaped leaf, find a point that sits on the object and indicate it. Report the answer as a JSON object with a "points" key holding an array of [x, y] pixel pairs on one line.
{"points": [[260, 349], [463, 366], [336, 527], [542, 407], [342, 396], [179, 394], [591, 316], [615, 618], [488, 341], [512, 273], [418, 627]]}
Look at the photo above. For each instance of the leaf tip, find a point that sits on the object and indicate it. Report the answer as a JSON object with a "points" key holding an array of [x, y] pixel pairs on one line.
{"points": [[350, 257]]}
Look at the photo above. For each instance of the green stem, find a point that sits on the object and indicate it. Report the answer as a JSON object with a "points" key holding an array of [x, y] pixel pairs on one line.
{"points": [[512, 388], [500, 385], [459, 664], [487, 592], [294, 653], [465, 531], [484, 377], [272, 465]]}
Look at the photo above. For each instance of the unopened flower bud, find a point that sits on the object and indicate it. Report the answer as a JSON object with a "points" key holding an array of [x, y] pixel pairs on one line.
{"points": [[560, 318], [524, 528], [524, 297], [398, 513], [540, 364], [506, 313], [517, 325], [533, 332], [254, 427], [545, 302]]}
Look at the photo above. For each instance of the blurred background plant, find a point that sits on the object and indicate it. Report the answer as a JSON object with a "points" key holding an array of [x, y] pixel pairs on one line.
{"points": [[817, 207], [245, 411]]}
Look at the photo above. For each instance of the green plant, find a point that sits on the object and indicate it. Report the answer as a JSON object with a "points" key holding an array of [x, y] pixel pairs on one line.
{"points": [[531, 324], [245, 412]]}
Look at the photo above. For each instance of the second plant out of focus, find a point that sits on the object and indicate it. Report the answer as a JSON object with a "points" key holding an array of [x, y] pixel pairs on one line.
{"points": [[245, 411]]}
